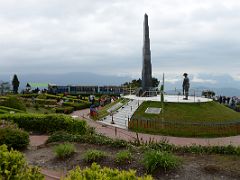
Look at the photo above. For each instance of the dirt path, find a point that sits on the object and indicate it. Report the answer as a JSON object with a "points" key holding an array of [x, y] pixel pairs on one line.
{"points": [[113, 132]]}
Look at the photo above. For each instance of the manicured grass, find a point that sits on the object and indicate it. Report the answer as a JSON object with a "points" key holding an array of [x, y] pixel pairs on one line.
{"points": [[189, 112], [187, 120]]}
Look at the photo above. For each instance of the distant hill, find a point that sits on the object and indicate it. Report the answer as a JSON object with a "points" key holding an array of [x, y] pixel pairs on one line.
{"points": [[224, 84], [78, 78]]}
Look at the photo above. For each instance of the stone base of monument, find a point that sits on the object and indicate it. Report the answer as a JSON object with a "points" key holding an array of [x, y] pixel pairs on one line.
{"points": [[170, 98]]}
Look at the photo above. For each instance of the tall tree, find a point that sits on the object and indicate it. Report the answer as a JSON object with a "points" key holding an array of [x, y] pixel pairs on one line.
{"points": [[155, 82], [138, 82], [15, 84]]}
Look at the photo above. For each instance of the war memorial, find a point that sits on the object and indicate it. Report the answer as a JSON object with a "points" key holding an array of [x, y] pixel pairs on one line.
{"points": [[146, 133], [151, 110]]}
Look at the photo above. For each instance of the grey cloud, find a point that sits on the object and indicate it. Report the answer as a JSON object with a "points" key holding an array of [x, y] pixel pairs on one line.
{"points": [[106, 36]]}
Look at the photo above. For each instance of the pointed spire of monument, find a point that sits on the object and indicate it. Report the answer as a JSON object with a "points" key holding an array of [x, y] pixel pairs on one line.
{"points": [[147, 66]]}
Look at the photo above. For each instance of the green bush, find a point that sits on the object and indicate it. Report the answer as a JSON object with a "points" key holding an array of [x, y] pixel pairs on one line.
{"points": [[65, 110], [47, 123], [3, 111], [14, 102], [14, 137], [42, 96], [64, 150], [96, 172], [87, 138], [159, 159], [8, 109], [77, 106], [28, 95], [123, 157], [46, 101], [36, 106], [195, 149], [198, 149], [94, 155], [13, 166]]}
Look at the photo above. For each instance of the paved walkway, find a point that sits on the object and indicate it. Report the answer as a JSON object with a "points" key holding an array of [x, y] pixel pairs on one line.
{"points": [[114, 132], [123, 114], [37, 141], [170, 98]]}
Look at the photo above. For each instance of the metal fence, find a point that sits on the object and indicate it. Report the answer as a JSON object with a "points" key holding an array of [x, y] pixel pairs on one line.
{"points": [[185, 128]]}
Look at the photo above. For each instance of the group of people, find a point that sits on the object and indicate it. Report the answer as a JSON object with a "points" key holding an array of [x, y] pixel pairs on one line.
{"points": [[230, 101]]}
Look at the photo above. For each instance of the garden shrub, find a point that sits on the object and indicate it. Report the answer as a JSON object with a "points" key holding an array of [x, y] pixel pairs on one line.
{"points": [[14, 102], [77, 106], [36, 106], [42, 96], [87, 138], [65, 110], [14, 166], [46, 101], [94, 155], [198, 149], [64, 150], [47, 122], [8, 109], [13, 137], [96, 172], [153, 160], [28, 95], [123, 157], [3, 111]]}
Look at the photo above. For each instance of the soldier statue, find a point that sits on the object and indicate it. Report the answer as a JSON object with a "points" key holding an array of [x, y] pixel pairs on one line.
{"points": [[186, 86]]}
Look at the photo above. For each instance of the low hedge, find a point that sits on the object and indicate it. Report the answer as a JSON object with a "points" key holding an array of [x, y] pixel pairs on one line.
{"points": [[47, 122], [3, 111], [77, 106], [28, 95], [65, 110], [13, 166], [87, 138], [14, 138], [14, 102], [46, 101], [8, 109]]}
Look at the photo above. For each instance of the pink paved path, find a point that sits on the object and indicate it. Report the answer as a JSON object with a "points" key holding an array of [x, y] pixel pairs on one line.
{"points": [[113, 132], [37, 141]]}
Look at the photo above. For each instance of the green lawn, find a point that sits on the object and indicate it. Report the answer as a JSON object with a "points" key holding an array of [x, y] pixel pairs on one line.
{"points": [[189, 112], [188, 120]]}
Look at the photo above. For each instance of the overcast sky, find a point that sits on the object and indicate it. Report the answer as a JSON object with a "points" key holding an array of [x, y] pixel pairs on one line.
{"points": [[105, 36]]}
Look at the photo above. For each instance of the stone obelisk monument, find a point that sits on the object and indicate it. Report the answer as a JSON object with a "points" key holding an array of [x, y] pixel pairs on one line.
{"points": [[147, 65]]}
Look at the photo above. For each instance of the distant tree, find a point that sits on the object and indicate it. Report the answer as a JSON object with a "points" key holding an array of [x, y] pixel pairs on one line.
{"points": [[138, 82], [155, 82], [15, 84], [208, 93]]}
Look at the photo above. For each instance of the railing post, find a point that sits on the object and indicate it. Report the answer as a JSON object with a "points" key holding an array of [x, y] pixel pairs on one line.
{"points": [[112, 120]]}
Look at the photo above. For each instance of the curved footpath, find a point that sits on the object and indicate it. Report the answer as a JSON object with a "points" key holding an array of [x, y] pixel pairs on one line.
{"points": [[124, 134]]}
